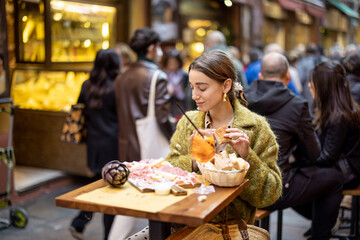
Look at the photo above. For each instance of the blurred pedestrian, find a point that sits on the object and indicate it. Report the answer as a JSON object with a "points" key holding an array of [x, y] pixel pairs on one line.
{"points": [[97, 93], [217, 40], [337, 121], [253, 70], [293, 57], [336, 52], [255, 54], [178, 82], [352, 66], [127, 55], [351, 49], [132, 90], [235, 52], [304, 66], [305, 186]]}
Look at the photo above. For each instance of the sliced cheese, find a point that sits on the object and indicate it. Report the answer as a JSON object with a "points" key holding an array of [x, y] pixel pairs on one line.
{"points": [[167, 175]]}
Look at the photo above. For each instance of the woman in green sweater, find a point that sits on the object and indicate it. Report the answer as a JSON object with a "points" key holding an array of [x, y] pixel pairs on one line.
{"points": [[212, 78]]}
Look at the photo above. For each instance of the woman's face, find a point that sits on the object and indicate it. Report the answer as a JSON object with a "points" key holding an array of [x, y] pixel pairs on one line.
{"points": [[206, 92]]}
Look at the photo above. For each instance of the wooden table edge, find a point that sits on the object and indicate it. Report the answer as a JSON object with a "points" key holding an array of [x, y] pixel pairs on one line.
{"points": [[67, 200]]}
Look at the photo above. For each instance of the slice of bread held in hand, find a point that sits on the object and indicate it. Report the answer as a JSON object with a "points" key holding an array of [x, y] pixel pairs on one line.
{"points": [[219, 135]]}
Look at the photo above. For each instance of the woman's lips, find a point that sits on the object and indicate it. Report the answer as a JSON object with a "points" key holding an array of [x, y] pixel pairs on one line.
{"points": [[199, 104]]}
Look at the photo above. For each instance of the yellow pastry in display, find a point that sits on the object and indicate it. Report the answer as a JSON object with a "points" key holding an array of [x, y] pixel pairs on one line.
{"points": [[50, 90]]}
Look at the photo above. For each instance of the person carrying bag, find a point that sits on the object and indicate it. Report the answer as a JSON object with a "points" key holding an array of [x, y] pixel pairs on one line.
{"points": [[148, 130]]}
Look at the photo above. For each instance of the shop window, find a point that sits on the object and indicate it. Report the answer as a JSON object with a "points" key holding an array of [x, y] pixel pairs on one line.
{"points": [[79, 30], [31, 31], [46, 90]]}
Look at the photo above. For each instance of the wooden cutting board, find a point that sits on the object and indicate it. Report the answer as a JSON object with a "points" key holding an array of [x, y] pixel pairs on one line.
{"points": [[144, 190]]}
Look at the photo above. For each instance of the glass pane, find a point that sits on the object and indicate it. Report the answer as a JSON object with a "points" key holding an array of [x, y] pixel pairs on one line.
{"points": [[32, 31], [46, 90], [79, 30]]}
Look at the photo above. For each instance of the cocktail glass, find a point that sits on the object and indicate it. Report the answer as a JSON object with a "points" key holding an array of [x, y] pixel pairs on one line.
{"points": [[203, 150]]}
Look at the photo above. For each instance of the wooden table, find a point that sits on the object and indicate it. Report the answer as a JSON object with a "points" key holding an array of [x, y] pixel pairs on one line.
{"points": [[187, 211]]}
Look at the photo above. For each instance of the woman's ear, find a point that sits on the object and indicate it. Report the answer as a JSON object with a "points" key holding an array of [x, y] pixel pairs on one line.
{"points": [[227, 85]]}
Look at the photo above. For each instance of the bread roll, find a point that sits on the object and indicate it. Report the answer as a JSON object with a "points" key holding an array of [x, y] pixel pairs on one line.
{"points": [[239, 164], [223, 163], [219, 135]]}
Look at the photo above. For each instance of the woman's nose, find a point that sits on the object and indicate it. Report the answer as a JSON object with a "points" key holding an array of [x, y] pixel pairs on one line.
{"points": [[194, 95]]}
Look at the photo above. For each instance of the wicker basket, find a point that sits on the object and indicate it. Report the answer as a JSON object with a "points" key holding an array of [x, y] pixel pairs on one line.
{"points": [[224, 178]]}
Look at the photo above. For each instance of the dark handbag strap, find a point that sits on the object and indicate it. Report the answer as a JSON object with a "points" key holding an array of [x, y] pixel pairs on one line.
{"points": [[240, 222], [242, 226]]}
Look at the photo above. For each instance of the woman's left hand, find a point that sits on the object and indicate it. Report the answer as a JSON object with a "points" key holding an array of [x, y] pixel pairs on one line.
{"points": [[240, 143]]}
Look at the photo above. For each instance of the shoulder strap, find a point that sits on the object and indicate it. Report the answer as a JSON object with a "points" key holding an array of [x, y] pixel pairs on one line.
{"points": [[151, 103], [240, 222]]}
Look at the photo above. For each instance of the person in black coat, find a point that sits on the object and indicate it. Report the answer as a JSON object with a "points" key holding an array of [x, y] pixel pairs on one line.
{"points": [[306, 187], [97, 93], [337, 120]]}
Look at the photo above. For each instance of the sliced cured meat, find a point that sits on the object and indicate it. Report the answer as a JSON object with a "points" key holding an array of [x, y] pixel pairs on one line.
{"points": [[146, 174]]}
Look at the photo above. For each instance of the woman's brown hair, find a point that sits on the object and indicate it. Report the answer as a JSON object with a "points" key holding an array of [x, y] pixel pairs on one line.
{"points": [[217, 65], [332, 98]]}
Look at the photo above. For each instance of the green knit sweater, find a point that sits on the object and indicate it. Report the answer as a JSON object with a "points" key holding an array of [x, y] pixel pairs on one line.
{"points": [[264, 176]]}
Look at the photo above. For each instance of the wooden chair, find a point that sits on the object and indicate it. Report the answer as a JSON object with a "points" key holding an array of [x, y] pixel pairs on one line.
{"points": [[262, 219], [355, 203]]}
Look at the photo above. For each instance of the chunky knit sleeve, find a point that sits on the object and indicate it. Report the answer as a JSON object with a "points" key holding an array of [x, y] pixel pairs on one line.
{"points": [[264, 175]]}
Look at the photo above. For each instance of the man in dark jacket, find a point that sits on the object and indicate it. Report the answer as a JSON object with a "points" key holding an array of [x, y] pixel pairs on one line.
{"points": [[305, 187]]}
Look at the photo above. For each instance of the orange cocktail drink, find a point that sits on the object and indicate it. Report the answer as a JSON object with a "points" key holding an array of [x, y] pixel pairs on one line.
{"points": [[203, 149]]}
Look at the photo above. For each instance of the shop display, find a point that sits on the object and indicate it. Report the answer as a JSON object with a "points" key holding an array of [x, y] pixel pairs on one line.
{"points": [[46, 90], [79, 30], [32, 31]]}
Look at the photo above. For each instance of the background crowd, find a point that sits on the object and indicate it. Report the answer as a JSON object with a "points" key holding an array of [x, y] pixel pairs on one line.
{"points": [[309, 98]]}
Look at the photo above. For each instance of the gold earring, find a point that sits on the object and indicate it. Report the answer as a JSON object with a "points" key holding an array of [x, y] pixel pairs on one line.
{"points": [[225, 98]]}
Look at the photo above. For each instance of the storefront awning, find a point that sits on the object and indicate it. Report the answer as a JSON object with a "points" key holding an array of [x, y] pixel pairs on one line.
{"points": [[344, 8], [315, 8]]}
